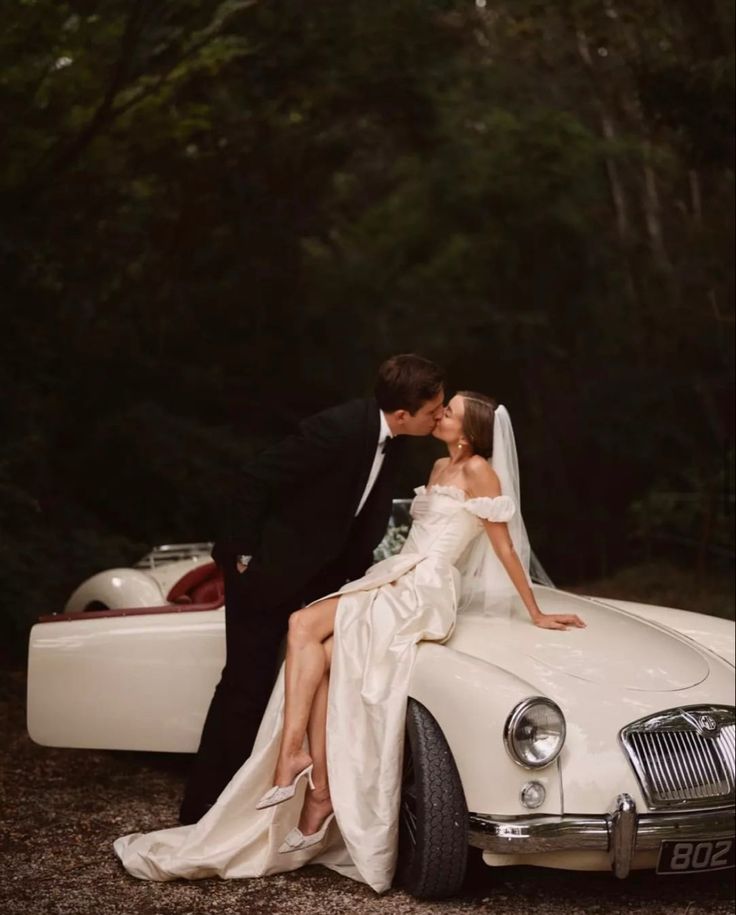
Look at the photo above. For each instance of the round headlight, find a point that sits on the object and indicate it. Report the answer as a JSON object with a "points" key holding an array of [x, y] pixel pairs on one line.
{"points": [[535, 732]]}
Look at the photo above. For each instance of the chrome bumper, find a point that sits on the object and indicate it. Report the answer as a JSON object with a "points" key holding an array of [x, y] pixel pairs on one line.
{"points": [[621, 833]]}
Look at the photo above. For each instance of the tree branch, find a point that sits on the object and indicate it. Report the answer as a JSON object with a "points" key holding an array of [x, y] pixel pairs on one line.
{"points": [[131, 35]]}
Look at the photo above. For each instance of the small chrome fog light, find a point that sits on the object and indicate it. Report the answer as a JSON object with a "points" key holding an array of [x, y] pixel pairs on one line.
{"points": [[533, 795]]}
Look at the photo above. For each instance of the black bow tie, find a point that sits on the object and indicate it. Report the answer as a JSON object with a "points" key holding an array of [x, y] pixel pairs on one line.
{"points": [[387, 444]]}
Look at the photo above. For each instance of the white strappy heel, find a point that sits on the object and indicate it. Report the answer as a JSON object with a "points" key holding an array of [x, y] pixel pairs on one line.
{"points": [[277, 794]]}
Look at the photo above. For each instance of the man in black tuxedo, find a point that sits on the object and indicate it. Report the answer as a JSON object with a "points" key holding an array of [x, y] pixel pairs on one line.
{"points": [[308, 515]]}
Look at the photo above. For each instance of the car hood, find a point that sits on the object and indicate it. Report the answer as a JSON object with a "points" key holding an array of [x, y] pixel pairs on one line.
{"points": [[616, 649]]}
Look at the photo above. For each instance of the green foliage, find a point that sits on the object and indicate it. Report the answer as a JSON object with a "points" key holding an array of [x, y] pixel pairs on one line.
{"points": [[215, 218]]}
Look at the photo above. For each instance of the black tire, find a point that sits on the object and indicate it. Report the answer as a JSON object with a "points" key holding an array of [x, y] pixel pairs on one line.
{"points": [[95, 606], [433, 831]]}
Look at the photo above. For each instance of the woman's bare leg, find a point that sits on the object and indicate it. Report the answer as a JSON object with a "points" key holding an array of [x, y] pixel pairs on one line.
{"points": [[305, 668], [317, 727], [317, 804]]}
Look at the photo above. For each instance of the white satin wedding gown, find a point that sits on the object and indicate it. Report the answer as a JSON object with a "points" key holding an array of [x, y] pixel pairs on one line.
{"points": [[380, 618]]}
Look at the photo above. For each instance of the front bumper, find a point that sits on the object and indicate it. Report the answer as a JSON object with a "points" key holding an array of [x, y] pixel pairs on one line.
{"points": [[621, 833]]}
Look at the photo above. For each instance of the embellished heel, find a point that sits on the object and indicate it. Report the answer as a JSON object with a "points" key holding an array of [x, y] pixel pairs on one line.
{"points": [[278, 794], [297, 841]]}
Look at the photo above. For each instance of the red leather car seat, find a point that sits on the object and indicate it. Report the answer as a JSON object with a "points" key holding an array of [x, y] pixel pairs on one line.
{"points": [[201, 585]]}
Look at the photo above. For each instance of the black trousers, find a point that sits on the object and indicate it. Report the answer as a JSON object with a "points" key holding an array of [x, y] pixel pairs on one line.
{"points": [[254, 632]]}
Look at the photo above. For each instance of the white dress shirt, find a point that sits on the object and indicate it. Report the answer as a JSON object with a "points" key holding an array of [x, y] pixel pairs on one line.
{"points": [[383, 434]]}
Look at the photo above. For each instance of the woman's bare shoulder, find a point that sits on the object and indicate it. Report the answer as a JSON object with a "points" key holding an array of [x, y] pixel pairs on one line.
{"points": [[482, 479]]}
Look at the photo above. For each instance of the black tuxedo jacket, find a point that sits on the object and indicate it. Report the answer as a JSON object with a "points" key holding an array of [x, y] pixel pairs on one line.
{"points": [[294, 511]]}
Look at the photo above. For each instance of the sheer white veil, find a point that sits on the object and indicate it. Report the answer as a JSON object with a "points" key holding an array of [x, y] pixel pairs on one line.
{"points": [[486, 586]]}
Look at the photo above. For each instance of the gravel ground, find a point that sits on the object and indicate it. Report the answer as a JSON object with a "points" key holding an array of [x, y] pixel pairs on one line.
{"points": [[61, 810]]}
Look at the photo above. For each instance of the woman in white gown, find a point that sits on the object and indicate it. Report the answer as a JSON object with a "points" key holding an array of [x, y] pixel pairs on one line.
{"points": [[323, 782]]}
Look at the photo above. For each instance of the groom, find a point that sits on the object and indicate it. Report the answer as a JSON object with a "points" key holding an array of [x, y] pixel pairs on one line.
{"points": [[306, 519]]}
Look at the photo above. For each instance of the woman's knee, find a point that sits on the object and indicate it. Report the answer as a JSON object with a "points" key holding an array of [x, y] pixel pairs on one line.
{"points": [[301, 629], [313, 623]]}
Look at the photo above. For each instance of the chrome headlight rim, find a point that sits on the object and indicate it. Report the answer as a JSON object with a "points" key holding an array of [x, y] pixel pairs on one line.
{"points": [[509, 732]]}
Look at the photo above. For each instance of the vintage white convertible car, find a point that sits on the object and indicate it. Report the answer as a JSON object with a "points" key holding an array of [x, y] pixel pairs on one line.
{"points": [[174, 573], [605, 748]]}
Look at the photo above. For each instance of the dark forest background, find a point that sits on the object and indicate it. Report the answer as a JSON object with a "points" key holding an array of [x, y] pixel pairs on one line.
{"points": [[216, 218]]}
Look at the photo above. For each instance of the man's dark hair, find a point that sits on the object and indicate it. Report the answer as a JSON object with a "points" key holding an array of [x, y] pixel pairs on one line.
{"points": [[406, 382]]}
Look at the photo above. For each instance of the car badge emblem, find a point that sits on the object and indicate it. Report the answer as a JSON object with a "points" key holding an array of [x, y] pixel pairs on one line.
{"points": [[707, 723]]}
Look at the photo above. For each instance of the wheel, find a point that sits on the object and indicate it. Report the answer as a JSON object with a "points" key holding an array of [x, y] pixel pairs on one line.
{"points": [[433, 830], [94, 606]]}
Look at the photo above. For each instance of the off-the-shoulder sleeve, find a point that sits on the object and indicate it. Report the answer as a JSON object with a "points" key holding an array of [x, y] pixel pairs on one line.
{"points": [[498, 508]]}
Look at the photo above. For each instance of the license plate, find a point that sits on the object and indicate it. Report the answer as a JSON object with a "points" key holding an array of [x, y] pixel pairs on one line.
{"points": [[695, 857]]}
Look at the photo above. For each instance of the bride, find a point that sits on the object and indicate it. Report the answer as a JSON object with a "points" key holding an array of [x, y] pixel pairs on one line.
{"points": [[323, 782]]}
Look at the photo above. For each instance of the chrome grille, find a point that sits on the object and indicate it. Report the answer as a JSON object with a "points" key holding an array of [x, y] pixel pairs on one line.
{"points": [[681, 763]]}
